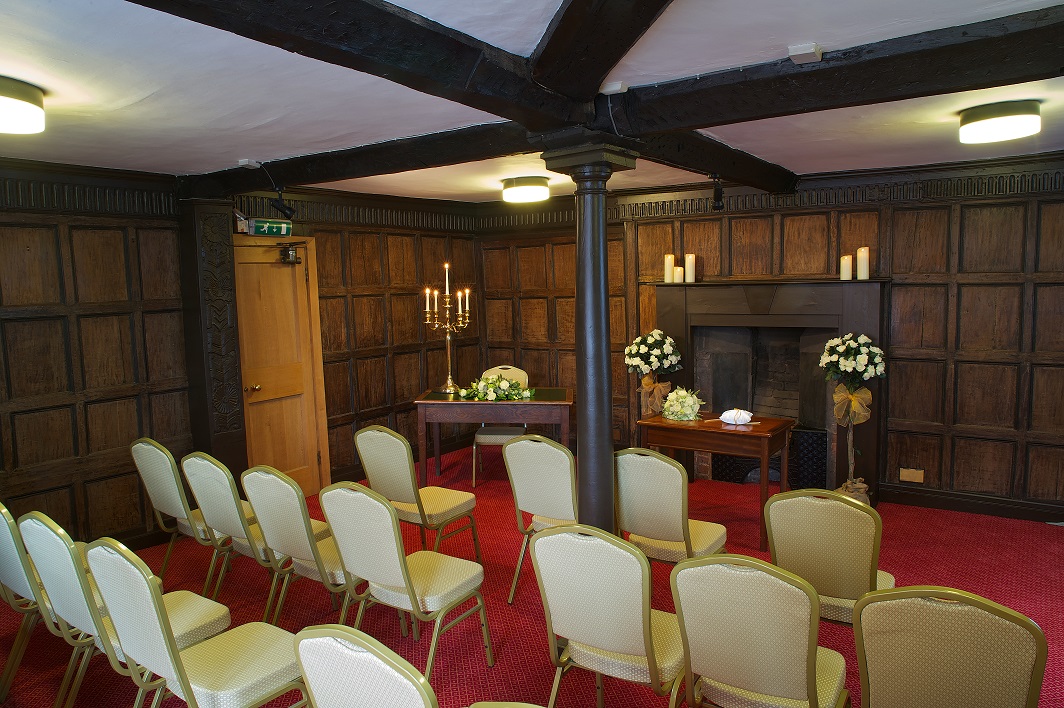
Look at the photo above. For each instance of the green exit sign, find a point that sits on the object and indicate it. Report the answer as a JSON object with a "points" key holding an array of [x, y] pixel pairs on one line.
{"points": [[270, 227]]}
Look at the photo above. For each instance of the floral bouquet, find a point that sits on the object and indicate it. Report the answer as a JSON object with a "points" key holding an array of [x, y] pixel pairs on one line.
{"points": [[852, 360], [681, 405], [496, 388], [652, 353]]}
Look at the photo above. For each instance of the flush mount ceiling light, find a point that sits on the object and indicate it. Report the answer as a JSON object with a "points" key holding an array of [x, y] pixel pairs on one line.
{"points": [[21, 107], [995, 122], [525, 189]]}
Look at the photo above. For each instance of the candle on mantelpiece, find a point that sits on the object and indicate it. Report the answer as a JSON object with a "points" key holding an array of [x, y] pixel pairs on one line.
{"points": [[689, 268], [436, 301], [446, 278], [846, 268], [862, 263], [670, 263], [677, 274], [468, 302], [428, 291], [459, 293]]}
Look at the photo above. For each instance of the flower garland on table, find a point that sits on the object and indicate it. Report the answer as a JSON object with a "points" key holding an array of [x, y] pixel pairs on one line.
{"points": [[681, 405], [496, 388]]}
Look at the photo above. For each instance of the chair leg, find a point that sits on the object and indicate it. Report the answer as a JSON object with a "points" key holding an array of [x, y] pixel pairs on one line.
{"points": [[73, 667], [600, 694], [402, 624], [517, 570], [436, 631], [484, 631], [169, 550], [674, 695], [280, 600], [415, 623], [475, 450], [345, 607], [557, 684], [424, 543], [361, 611], [210, 572], [269, 598], [226, 565], [72, 693], [18, 650]]}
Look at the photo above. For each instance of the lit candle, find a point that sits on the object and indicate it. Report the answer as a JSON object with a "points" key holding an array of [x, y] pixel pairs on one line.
{"points": [[428, 291], [446, 278], [689, 268], [459, 301], [862, 263], [468, 302], [846, 268], [670, 262], [677, 274], [436, 300]]}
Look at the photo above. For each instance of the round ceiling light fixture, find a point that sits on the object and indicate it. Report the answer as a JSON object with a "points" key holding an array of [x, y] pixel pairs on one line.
{"points": [[525, 189], [996, 122], [21, 107]]}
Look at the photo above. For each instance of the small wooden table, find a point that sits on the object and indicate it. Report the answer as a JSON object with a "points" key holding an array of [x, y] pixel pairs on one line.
{"points": [[549, 405], [767, 437]]}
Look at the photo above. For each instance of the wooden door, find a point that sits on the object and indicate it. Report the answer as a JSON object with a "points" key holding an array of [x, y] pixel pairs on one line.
{"points": [[281, 360]]}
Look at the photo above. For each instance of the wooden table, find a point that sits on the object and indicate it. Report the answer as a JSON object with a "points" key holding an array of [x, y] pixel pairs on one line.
{"points": [[767, 437], [549, 405]]}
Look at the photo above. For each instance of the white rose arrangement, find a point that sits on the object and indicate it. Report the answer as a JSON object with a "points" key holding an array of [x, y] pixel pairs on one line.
{"points": [[681, 405], [654, 352], [496, 388], [853, 360]]}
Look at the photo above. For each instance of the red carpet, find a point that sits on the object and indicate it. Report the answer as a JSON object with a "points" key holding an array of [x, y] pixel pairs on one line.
{"points": [[1017, 563]]}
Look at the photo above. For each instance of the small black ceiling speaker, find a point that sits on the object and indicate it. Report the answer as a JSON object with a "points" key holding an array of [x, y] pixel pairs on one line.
{"points": [[280, 206]]}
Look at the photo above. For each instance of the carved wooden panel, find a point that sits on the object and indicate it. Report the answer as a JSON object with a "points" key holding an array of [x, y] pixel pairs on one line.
{"points": [[618, 322], [406, 424], [406, 374], [364, 260], [923, 452], [1047, 399], [498, 356], [918, 316], [333, 314], [653, 241], [565, 319], [703, 238], [58, 504], [433, 256], [29, 266], [467, 367], [621, 423], [169, 416], [407, 318], [402, 261], [987, 394], [463, 261], [160, 272], [989, 317], [805, 244], [615, 265], [619, 372], [37, 357], [436, 367], [328, 246], [100, 273], [496, 268], [751, 246], [372, 382], [917, 390], [115, 503], [984, 466], [338, 398], [112, 424], [567, 368], [920, 241], [1051, 237], [858, 229], [992, 239], [367, 321], [342, 446], [498, 316], [107, 351], [164, 342], [532, 267], [533, 322], [565, 266], [44, 435], [648, 308], [1048, 316], [1045, 480], [536, 363]]}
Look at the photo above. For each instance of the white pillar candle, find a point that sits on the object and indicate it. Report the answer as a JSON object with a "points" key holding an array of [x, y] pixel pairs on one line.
{"points": [[446, 278], [670, 262], [862, 263], [436, 300], [689, 268], [459, 293], [428, 291], [677, 274], [846, 268], [468, 302]]}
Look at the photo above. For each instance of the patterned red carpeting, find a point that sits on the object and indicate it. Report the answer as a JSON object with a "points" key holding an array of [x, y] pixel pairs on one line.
{"points": [[1017, 563]]}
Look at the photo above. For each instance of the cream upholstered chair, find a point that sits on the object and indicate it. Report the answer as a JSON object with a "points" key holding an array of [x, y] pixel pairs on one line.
{"points": [[933, 647], [426, 584], [543, 479], [78, 612], [389, 467], [293, 548], [495, 434], [242, 667], [750, 636], [346, 668], [652, 508], [228, 525], [832, 541], [17, 580], [596, 595]]}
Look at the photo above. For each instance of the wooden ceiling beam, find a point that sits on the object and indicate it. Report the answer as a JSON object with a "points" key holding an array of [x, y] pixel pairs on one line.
{"points": [[1000, 52], [698, 153], [586, 39]]}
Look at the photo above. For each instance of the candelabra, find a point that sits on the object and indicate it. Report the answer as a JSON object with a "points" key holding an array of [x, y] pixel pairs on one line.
{"points": [[460, 322]]}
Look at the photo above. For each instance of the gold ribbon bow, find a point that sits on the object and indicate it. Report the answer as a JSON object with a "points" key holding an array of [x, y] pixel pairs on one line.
{"points": [[853, 407], [653, 394]]}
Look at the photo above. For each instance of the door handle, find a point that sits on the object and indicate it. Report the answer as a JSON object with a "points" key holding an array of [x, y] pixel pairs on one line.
{"points": [[252, 389]]}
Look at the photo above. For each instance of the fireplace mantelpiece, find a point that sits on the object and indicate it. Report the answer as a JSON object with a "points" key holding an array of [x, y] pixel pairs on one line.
{"points": [[839, 306]]}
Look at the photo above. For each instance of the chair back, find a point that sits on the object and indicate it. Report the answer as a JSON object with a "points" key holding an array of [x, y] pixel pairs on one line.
{"points": [[365, 527], [595, 588], [281, 511], [828, 538], [215, 491], [739, 615], [158, 471], [510, 372], [16, 571], [542, 476], [933, 647], [346, 668], [652, 496], [388, 463]]}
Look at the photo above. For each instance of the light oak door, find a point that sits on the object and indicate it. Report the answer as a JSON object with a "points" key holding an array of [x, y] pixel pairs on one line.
{"points": [[281, 360]]}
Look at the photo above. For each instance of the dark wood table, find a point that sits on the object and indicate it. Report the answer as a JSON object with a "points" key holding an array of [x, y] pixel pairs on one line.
{"points": [[549, 405], [761, 438]]}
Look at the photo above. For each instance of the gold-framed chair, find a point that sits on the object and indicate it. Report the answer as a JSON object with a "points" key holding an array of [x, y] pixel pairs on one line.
{"points": [[243, 667], [78, 614], [830, 540], [346, 668], [497, 434], [17, 578], [293, 548], [596, 597], [542, 476], [425, 584], [389, 466], [750, 636], [652, 508], [933, 647]]}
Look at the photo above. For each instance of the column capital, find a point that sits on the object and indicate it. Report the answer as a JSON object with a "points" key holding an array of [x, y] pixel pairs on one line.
{"points": [[576, 147]]}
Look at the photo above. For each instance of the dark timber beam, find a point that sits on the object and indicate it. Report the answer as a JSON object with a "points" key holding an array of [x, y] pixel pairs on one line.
{"points": [[1008, 50], [586, 39], [453, 147], [699, 153], [384, 40]]}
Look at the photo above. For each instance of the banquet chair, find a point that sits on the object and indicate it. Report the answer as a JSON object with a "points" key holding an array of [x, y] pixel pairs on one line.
{"points": [[832, 541], [750, 636], [496, 434], [243, 667], [228, 525], [389, 467], [934, 647], [426, 584], [345, 668], [17, 580], [652, 509], [596, 596], [543, 479], [78, 614], [293, 549]]}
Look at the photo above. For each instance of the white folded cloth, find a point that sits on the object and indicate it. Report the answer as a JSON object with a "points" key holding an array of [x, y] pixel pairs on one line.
{"points": [[736, 416]]}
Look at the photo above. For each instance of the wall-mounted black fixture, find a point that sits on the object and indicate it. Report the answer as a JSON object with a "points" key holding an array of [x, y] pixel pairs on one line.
{"points": [[718, 194]]}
